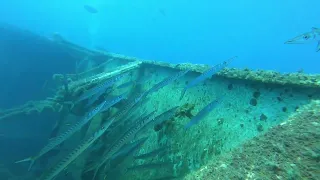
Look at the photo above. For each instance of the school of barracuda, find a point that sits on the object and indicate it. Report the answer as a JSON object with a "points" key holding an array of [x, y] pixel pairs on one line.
{"points": [[129, 142]]}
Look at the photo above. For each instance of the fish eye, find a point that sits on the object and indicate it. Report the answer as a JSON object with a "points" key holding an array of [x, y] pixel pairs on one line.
{"points": [[306, 37]]}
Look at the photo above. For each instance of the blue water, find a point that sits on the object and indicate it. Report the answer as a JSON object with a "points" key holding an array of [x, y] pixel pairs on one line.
{"points": [[196, 31]]}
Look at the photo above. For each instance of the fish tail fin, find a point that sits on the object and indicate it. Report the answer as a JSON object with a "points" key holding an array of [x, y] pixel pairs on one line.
{"points": [[107, 166], [31, 164], [31, 159], [91, 168], [182, 93], [318, 46], [95, 173]]}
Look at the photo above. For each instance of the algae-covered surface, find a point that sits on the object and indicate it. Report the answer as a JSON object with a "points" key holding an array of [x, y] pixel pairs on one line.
{"points": [[263, 124], [290, 150], [248, 109]]}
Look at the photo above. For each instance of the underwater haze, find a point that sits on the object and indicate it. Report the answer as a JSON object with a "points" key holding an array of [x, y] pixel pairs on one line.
{"points": [[113, 89], [195, 31]]}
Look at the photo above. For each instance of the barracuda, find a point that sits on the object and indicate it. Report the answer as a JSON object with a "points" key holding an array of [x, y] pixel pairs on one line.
{"points": [[114, 101], [126, 137], [204, 112], [206, 74], [313, 36], [62, 137], [53, 172], [144, 123], [167, 81], [101, 87]]}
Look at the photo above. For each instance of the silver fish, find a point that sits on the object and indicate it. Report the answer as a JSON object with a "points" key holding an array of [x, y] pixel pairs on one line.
{"points": [[313, 36], [150, 166], [204, 112], [130, 148], [53, 172], [95, 97], [166, 115], [114, 101], [153, 153], [130, 105], [126, 85], [205, 75], [123, 157], [167, 81], [122, 121], [125, 154], [62, 137], [132, 83], [160, 118], [126, 137], [101, 87]]}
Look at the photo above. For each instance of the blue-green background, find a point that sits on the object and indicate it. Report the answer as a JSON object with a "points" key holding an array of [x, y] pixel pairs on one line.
{"points": [[197, 31]]}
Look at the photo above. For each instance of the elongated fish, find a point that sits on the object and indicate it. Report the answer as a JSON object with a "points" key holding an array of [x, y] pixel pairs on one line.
{"points": [[160, 118], [95, 97], [167, 81], [101, 87], [205, 75], [53, 172], [166, 115], [121, 121], [126, 137], [153, 153], [131, 115], [150, 166], [126, 84], [131, 83], [130, 105], [114, 101], [204, 112], [126, 152], [62, 137], [116, 124], [90, 9], [137, 127], [124, 156], [313, 36], [130, 148]]}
